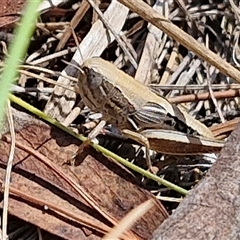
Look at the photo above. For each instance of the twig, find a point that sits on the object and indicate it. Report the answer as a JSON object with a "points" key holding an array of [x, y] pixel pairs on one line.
{"points": [[194, 87], [8, 172], [117, 37], [129, 220], [147, 13], [98, 147], [205, 96]]}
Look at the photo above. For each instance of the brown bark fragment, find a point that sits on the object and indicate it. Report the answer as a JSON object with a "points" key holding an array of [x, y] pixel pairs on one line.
{"points": [[212, 208]]}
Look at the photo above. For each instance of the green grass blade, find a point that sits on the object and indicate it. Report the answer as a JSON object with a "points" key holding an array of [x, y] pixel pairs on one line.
{"points": [[17, 51]]}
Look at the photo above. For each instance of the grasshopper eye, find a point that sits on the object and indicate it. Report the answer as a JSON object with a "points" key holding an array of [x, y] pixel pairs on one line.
{"points": [[94, 78]]}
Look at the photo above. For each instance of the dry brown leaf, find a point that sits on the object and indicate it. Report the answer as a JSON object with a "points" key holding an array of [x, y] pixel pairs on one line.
{"points": [[40, 179], [9, 11]]}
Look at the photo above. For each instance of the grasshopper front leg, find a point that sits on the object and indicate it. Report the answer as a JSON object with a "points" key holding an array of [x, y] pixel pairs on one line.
{"points": [[93, 134]]}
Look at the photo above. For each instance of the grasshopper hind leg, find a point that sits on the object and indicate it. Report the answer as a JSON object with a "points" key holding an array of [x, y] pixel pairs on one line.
{"points": [[143, 141]]}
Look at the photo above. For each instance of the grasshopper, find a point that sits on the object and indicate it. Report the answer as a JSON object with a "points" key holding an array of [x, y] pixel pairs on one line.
{"points": [[140, 113]]}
